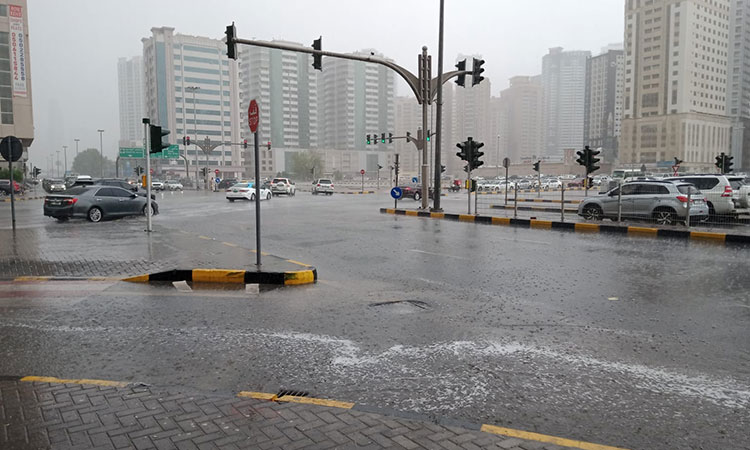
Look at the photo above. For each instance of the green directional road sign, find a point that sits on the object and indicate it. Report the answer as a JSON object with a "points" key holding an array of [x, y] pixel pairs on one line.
{"points": [[131, 152], [171, 152]]}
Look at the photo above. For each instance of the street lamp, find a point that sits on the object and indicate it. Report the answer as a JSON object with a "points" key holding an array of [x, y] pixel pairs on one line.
{"points": [[58, 163], [195, 130], [65, 154], [77, 140], [498, 157], [101, 154]]}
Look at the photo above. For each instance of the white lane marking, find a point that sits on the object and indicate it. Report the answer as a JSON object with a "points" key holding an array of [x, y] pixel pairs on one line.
{"points": [[437, 254], [524, 241]]}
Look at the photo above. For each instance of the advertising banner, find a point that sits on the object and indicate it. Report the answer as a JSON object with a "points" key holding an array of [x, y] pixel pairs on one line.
{"points": [[17, 50]]}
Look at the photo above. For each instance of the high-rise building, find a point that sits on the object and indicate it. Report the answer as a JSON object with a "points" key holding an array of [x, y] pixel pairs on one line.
{"points": [[738, 89], [16, 118], [286, 88], [564, 88], [408, 119], [605, 75], [130, 89], [520, 119], [675, 105], [356, 99], [192, 89]]}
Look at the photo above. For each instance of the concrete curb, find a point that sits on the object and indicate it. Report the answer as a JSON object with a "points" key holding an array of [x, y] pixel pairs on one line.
{"points": [[535, 208], [7, 199], [580, 227], [288, 278]]}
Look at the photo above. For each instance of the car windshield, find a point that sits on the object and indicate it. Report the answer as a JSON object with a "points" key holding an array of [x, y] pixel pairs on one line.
{"points": [[241, 185], [324, 181]]}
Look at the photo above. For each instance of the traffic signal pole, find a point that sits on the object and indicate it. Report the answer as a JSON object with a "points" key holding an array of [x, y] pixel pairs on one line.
{"points": [[147, 154], [439, 115], [424, 71]]}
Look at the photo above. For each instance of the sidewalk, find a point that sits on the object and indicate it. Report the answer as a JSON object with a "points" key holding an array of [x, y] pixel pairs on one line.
{"points": [[122, 249], [86, 414]]}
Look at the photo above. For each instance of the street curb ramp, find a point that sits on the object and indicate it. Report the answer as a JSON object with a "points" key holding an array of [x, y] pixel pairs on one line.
{"points": [[719, 238], [284, 278]]}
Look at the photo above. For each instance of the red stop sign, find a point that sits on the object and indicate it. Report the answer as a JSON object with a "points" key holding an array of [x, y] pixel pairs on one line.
{"points": [[253, 116], [362, 172]]}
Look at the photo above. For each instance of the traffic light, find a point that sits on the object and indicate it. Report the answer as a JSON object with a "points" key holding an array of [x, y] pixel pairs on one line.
{"points": [[536, 166], [379, 167], [589, 182], [244, 144], [269, 145], [318, 59], [187, 140], [728, 163], [476, 72], [677, 161], [464, 153], [428, 135], [476, 154], [720, 162], [368, 139], [184, 142], [582, 154], [442, 168], [204, 171], [390, 138], [37, 171], [138, 170], [382, 138], [231, 46], [461, 79], [592, 160], [157, 144]]}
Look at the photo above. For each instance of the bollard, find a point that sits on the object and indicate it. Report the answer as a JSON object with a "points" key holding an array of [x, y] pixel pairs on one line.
{"points": [[687, 217], [515, 204], [562, 203]]}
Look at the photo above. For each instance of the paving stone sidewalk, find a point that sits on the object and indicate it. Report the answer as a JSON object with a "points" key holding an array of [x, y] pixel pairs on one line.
{"points": [[36, 415]]}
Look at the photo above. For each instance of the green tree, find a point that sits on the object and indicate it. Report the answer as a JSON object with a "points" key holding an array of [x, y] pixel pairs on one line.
{"points": [[304, 162], [17, 174], [89, 162]]}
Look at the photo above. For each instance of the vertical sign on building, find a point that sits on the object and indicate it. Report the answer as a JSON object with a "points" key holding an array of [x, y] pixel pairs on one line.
{"points": [[17, 50]]}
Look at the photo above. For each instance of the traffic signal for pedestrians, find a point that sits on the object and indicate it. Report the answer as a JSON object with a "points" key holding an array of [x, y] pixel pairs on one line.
{"points": [[382, 138], [318, 59], [536, 166], [428, 135], [231, 46], [244, 144], [591, 161], [368, 139], [157, 142], [476, 72], [461, 79], [390, 138]]}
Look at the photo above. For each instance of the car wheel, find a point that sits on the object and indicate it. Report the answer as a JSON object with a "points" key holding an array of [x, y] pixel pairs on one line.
{"points": [[314, 193], [268, 196], [330, 193], [252, 197], [417, 196], [153, 211], [664, 216], [592, 212], [231, 200], [95, 214]]}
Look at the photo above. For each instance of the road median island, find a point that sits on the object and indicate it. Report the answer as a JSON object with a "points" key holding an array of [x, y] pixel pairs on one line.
{"points": [[581, 227]]}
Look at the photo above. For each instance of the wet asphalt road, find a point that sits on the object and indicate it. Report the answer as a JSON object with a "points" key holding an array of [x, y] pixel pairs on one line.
{"points": [[626, 341]]}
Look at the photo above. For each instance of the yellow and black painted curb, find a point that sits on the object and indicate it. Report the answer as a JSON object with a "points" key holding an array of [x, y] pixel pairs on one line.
{"points": [[309, 275], [57, 278], [728, 239], [486, 428], [535, 208], [356, 192]]}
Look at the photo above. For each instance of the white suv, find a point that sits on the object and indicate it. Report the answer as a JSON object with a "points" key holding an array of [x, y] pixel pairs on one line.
{"points": [[283, 186], [716, 188]]}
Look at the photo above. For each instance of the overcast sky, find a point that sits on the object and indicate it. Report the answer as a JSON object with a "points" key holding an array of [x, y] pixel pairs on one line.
{"points": [[74, 44]]}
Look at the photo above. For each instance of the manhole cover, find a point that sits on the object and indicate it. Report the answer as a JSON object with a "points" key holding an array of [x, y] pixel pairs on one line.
{"points": [[402, 305]]}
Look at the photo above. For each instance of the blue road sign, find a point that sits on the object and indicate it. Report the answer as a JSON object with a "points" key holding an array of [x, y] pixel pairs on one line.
{"points": [[415, 180], [397, 193], [218, 180]]}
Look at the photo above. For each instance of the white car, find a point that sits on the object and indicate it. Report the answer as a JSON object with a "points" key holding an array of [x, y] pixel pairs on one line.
{"points": [[157, 185], [551, 184], [283, 186], [246, 191], [173, 185]]}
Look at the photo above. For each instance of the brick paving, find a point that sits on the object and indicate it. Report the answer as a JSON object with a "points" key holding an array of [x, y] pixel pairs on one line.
{"points": [[36, 415]]}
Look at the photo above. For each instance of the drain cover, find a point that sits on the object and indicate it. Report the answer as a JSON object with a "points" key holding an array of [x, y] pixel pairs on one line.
{"points": [[418, 303], [292, 393]]}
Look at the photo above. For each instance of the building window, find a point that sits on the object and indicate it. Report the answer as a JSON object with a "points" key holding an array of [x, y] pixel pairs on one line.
{"points": [[3, 10], [6, 92]]}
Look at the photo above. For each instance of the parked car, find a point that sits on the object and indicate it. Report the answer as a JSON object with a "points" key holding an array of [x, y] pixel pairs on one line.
{"points": [[283, 186], [5, 187], [740, 191], [322, 186], [551, 183], [95, 203], [664, 202], [246, 191], [157, 185], [173, 185], [578, 182], [524, 184], [716, 188], [227, 183], [489, 186]]}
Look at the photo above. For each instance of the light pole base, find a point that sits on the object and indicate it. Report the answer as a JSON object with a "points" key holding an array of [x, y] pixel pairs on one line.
{"points": [[437, 210]]}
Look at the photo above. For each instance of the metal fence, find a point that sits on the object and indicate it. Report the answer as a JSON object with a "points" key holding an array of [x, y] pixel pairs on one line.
{"points": [[678, 207]]}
